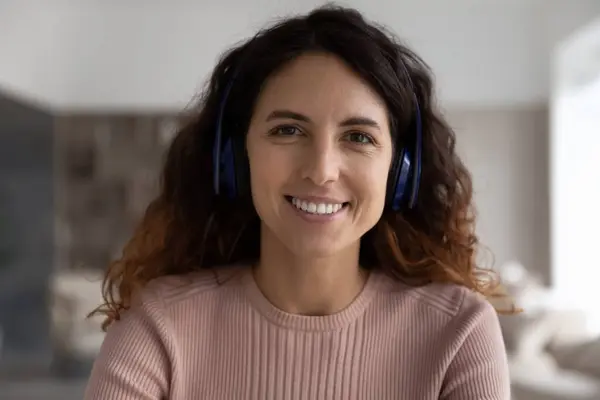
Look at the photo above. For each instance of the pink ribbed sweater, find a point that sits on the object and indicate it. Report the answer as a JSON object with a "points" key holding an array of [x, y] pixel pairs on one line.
{"points": [[196, 337]]}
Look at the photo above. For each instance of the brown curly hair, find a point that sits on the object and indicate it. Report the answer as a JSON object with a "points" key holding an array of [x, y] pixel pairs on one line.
{"points": [[188, 227]]}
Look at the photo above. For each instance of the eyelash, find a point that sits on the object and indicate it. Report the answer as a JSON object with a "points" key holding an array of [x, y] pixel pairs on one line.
{"points": [[369, 139], [277, 131], [366, 136]]}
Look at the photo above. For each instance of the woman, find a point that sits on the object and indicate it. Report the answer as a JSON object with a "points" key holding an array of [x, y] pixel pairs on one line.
{"points": [[313, 238]]}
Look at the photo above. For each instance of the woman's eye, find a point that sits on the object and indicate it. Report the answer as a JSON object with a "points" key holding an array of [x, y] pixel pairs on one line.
{"points": [[286, 130], [361, 138]]}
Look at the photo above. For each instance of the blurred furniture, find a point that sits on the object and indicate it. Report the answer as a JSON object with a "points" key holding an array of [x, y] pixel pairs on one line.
{"points": [[76, 339], [551, 355], [537, 370], [47, 389]]}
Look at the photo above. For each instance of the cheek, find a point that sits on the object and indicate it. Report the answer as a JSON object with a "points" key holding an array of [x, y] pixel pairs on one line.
{"points": [[260, 181], [373, 181], [267, 170]]}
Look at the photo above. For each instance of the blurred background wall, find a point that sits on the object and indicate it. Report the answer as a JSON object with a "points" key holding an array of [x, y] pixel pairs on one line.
{"points": [[26, 225], [91, 93], [141, 55]]}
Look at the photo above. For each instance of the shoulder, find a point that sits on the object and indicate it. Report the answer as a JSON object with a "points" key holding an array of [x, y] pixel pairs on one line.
{"points": [[203, 285], [141, 348], [166, 301], [458, 324], [443, 299], [457, 308], [164, 309]]}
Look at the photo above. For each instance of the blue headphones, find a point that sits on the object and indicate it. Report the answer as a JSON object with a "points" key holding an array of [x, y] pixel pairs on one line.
{"points": [[231, 176]]}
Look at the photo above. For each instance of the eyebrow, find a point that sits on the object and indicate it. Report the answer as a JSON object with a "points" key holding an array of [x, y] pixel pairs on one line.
{"points": [[352, 121]]}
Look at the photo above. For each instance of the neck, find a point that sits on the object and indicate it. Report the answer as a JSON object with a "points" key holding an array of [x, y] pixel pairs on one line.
{"points": [[305, 285]]}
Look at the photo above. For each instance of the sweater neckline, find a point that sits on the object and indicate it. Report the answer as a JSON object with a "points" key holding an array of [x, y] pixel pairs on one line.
{"points": [[329, 322]]}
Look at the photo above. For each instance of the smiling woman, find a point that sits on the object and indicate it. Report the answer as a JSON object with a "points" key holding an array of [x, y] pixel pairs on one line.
{"points": [[318, 139], [313, 238]]}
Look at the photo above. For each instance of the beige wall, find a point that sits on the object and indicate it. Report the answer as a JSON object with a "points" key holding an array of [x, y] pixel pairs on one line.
{"points": [[507, 152]]}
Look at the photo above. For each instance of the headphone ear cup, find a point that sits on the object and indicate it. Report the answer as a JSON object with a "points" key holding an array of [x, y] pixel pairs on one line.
{"points": [[241, 166], [228, 178], [401, 180]]}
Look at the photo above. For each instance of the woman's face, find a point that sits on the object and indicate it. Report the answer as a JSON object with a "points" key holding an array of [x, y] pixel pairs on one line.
{"points": [[320, 149]]}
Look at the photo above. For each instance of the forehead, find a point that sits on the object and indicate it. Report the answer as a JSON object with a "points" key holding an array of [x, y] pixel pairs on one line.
{"points": [[321, 86]]}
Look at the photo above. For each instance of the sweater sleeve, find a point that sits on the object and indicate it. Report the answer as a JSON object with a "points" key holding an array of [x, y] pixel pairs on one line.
{"points": [[133, 363], [479, 369]]}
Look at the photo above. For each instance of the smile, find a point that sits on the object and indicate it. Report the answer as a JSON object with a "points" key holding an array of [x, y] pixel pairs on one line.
{"points": [[316, 208]]}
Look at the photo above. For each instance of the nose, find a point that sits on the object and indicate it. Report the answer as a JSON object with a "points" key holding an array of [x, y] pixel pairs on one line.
{"points": [[321, 162]]}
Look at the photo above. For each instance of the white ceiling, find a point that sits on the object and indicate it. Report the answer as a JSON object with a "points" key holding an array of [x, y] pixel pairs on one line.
{"points": [[156, 54]]}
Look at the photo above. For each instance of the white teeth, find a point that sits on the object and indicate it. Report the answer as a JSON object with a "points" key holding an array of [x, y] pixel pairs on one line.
{"points": [[316, 208]]}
